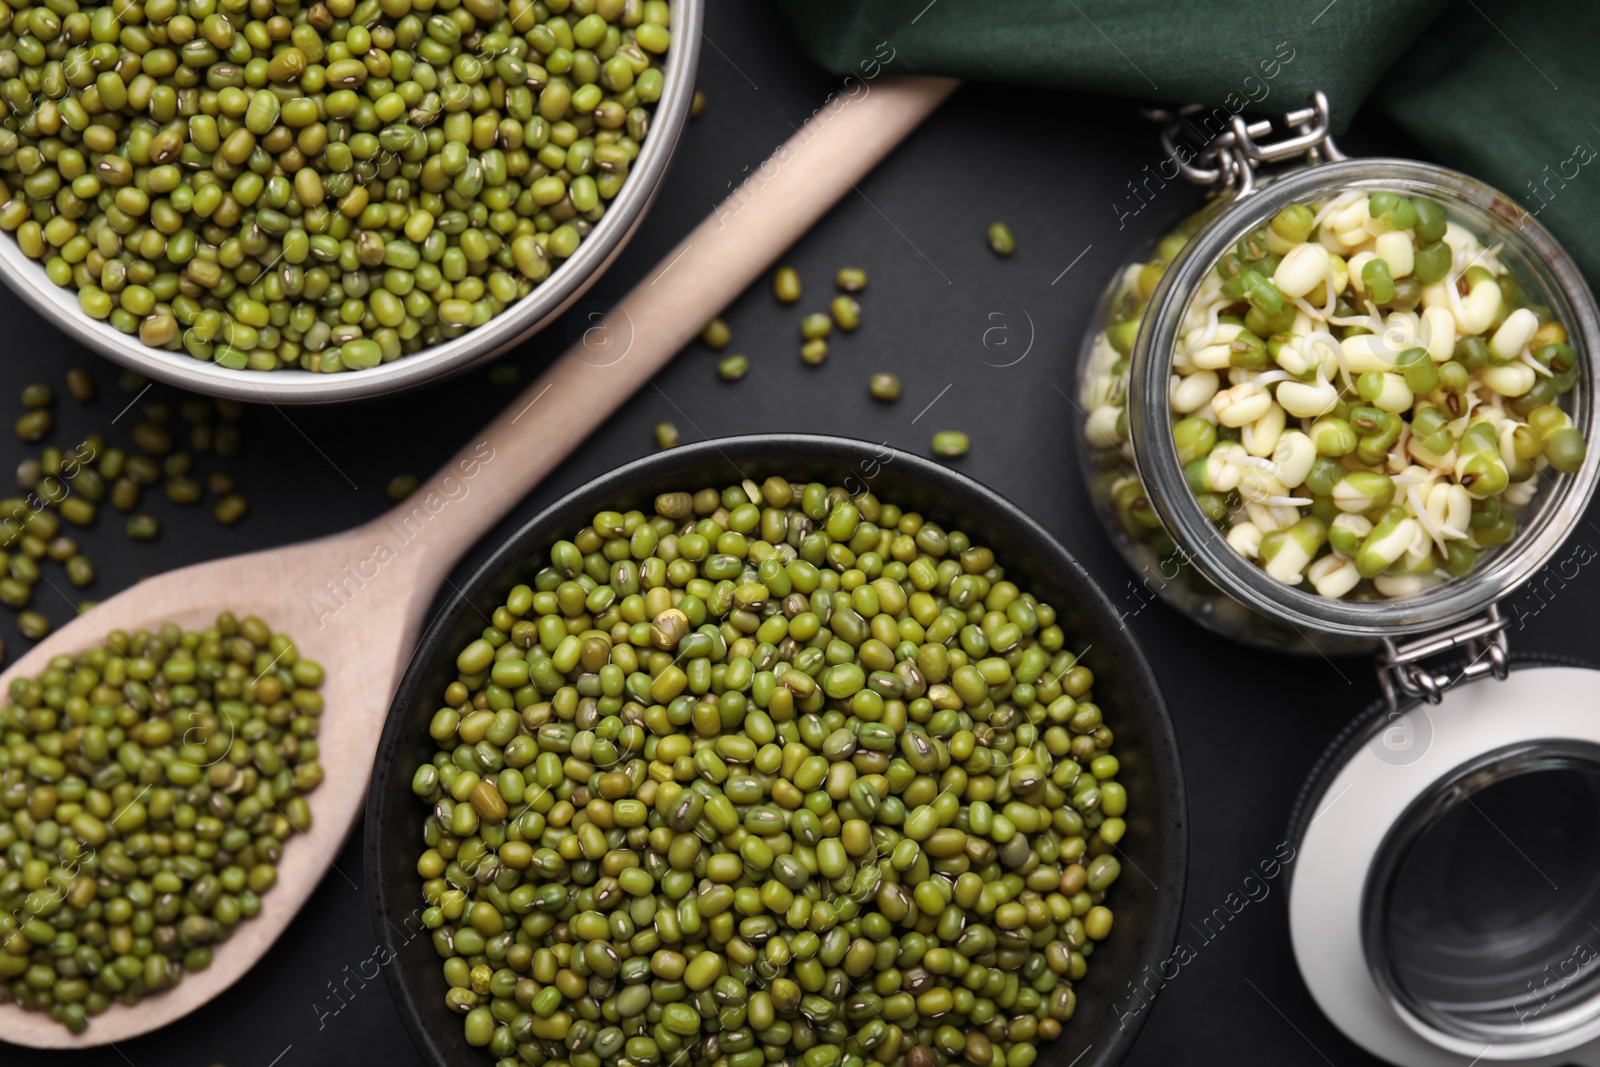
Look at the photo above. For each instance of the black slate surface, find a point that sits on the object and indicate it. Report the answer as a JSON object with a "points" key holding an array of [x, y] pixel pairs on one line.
{"points": [[988, 343]]}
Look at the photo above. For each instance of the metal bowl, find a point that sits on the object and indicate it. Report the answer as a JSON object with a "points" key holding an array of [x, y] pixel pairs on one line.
{"points": [[1147, 903], [519, 321]]}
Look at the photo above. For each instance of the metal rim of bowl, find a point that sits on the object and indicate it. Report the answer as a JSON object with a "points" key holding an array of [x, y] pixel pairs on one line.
{"points": [[1149, 421], [566, 284], [1108, 1016]]}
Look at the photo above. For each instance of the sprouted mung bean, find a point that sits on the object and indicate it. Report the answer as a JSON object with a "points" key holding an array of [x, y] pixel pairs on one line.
{"points": [[147, 791], [326, 186], [768, 772], [1363, 398]]}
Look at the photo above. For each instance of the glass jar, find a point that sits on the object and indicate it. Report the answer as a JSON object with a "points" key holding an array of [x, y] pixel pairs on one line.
{"points": [[1131, 462]]}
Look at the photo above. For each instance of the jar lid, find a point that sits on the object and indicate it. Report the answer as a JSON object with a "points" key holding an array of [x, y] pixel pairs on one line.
{"points": [[1528, 248], [1444, 880]]}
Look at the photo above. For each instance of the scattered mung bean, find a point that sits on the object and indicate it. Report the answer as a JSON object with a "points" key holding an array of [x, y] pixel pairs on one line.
{"points": [[80, 383], [1001, 239], [732, 368], [884, 387], [813, 352], [402, 486], [786, 285], [666, 435], [850, 279], [230, 509], [143, 527], [716, 335], [950, 443], [816, 326], [846, 312]]}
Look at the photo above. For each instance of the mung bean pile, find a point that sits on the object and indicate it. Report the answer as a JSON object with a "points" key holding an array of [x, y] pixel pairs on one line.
{"points": [[769, 774], [270, 183], [1363, 397], [147, 791]]}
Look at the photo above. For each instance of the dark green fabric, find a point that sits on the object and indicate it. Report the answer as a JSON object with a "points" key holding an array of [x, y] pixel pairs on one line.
{"points": [[1506, 91]]}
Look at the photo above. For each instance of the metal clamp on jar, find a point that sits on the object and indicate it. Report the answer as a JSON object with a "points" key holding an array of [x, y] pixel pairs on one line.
{"points": [[1306, 451]]}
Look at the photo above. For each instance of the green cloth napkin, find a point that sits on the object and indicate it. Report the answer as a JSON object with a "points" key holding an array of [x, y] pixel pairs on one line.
{"points": [[1506, 91]]}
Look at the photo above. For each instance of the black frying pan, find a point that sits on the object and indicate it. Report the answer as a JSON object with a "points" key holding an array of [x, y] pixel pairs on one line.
{"points": [[1148, 897]]}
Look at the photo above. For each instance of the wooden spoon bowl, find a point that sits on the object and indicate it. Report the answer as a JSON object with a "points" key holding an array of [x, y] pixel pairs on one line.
{"points": [[355, 602]]}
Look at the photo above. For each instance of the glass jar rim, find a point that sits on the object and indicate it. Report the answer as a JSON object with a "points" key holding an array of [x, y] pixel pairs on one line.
{"points": [[1150, 421]]}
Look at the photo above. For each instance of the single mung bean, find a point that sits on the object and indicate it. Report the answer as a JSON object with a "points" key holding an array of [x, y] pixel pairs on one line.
{"points": [[950, 443], [732, 368], [666, 435], [1001, 239], [143, 527], [80, 383], [884, 387], [716, 335], [786, 285], [230, 509], [402, 486]]}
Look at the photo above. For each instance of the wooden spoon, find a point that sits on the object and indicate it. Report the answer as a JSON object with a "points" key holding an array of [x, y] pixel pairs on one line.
{"points": [[355, 601]]}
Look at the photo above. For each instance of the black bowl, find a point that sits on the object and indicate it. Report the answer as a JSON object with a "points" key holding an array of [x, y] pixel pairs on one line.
{"points": [[1148, 898]]}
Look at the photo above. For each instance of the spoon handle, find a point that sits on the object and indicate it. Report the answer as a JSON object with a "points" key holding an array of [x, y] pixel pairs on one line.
{"points": [[701, 276]]}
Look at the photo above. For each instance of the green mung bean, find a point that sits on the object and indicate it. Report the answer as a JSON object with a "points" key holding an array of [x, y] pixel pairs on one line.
{"points": [[80, 383], [850, 279], [846, 312], [732, 368], [661, 807], [884, 387], [184, 491], [786, 285], [816, 326], [813, 352], [143, 527], [230, 509], [34, 425], [666, 435], [950, 443], [158, 814], [716, 335], [1001, 239], [402, 486], [38, 395]]}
